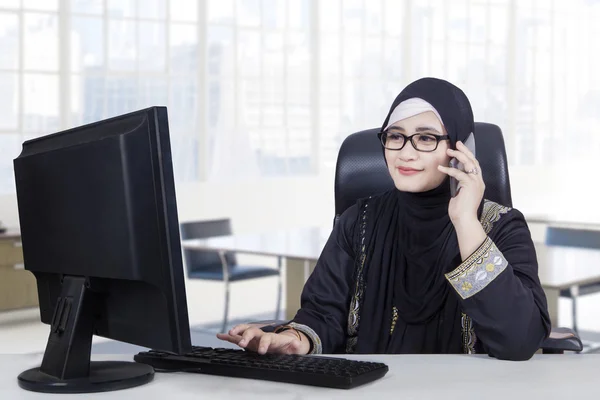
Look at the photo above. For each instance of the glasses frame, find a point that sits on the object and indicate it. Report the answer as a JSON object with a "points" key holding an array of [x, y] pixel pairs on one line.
{"points": [[383, 135]]}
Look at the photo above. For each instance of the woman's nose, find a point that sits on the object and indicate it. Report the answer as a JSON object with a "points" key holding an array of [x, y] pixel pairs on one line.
{"points": [[408, 152]]}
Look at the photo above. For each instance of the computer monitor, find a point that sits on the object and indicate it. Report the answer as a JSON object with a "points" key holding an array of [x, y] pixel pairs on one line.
{"points": [[99, 227]]}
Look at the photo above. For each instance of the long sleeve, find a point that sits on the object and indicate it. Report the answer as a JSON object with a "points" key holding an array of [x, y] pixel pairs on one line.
{"points": [[326, 295], [500, 291]]}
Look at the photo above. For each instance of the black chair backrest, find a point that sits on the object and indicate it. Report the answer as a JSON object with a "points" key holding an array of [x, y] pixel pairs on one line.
{"points": [[361, 170], [572, 237], [205, 259]]}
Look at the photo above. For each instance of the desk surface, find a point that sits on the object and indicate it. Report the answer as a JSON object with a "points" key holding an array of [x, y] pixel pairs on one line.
{"points": [[410, 377], [559, 267]]}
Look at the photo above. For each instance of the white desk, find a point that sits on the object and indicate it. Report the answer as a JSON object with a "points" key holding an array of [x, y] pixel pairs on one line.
{"points": [[559, 267], [410, 377]]}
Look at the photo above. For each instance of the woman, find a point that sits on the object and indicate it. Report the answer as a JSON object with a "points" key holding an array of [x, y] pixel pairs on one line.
{"points": [[414, 270]]}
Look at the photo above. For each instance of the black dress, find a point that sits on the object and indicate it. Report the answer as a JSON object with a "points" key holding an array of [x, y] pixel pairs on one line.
{"points": [[500, 308]]}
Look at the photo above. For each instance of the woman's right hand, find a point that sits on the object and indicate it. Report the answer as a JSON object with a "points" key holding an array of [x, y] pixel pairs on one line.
{"points": [[251, 337]]}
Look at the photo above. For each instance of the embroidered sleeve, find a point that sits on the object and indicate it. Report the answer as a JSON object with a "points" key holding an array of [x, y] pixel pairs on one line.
{"points": [[477, 271], [316, 346]]}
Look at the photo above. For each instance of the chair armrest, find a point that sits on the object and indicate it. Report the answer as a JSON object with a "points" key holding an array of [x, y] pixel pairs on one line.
{"points": [[561, 340]]}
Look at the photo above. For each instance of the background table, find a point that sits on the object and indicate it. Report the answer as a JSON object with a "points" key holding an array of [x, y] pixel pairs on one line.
{"points": [[559, 267]]}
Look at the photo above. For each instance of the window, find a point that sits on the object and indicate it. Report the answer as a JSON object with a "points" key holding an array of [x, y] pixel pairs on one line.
{"points": [[261, 88]]}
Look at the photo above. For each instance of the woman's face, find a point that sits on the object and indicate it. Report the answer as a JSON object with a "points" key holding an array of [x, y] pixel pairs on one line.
{"points": [[416, 171]]}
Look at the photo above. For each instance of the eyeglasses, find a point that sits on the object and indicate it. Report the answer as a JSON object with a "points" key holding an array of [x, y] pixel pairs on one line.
{"points": [[425, 142]]}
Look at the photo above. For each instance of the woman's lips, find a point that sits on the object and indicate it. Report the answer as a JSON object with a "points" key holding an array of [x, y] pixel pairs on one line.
{"points": [[408, 171]]}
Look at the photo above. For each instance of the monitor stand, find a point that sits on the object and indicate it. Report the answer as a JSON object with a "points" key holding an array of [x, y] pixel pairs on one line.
{"points": [[66, 367]]}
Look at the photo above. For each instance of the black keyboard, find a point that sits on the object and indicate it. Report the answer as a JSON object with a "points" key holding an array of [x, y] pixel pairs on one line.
{"points": [[304, 370]]}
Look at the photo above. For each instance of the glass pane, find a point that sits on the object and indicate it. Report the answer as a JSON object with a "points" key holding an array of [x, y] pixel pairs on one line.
{"points": [[41, 42], [87, 98], [299, 14], [220, 101], [9, 101], [298, 150], [252, 103], [10, 148], [183, 105], [273, 57], [122, 52], [151, 45], [353, 56], [298, 99], [352, 15], [220, 50], [9, 41], [184, 48], [155, 9], [10, 3], [438, 59], [478, 22], [121, 95], [185, 150], [220, 11], [249, 51], [376, 103], [298, 53], [458, 24], [373, 56], [329, 11], [87, 6], [40, 103], [330, 49], [421, 25], [352, 106], [183, 126], [121, 8], [374, 17], [184, 10], [248, 13], [87, 44], [393, 17], [46, 5], [499, 25], [153, 92], [274, 13], [272, 102], [438, 23], [393, 58], [457, 64]]}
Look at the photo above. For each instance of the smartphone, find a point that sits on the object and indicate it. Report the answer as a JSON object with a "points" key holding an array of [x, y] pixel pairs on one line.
{"points": [[454, 163]]}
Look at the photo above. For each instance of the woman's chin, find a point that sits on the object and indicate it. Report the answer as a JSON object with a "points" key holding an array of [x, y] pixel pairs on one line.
{"points": [[410, 187]]}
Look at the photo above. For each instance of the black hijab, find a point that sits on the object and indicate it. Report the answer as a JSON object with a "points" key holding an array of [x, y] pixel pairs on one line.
{"points": [[410, 244]]}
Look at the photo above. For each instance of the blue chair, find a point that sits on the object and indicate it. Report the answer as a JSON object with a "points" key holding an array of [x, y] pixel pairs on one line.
{"points": [[582, 238], [220, 265]]}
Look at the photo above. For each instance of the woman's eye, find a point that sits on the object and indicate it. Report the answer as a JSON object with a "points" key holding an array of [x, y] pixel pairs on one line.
{"points": [[426, 138]]}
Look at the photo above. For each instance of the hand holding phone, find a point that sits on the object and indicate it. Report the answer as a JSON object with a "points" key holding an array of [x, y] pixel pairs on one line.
{"points": [[454, 163]]}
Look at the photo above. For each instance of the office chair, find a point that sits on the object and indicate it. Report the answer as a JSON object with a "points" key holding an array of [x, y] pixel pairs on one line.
{"points": [[220, 265], [361, 171], [582, 238]]}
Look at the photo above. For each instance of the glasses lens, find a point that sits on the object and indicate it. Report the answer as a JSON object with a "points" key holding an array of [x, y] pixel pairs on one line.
{"points": [[393, 141], [425, 142]]}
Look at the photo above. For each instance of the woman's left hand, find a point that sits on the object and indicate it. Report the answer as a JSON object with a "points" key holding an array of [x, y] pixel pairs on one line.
{"points": [[463, 207]]}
